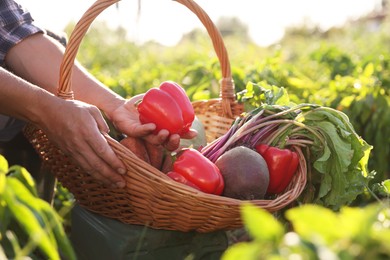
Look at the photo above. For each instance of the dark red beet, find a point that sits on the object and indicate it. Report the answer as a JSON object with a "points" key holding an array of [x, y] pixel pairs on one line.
{"points": [[245, 173]]}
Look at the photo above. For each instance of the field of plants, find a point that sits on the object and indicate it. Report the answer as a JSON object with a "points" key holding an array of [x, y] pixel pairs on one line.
{"points": [[347, 69]]}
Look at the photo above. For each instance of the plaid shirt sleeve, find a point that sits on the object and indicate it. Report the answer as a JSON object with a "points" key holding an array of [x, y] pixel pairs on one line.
{"points": [[16, 23]]}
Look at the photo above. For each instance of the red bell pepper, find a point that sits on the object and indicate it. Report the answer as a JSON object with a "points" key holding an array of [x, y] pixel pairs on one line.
{"points": [[168, 107], [194, 169], [282, 165], [181, 98]]}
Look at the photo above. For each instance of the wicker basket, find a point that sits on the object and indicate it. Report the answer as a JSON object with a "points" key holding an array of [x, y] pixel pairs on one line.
{"points": [[150, 197]]}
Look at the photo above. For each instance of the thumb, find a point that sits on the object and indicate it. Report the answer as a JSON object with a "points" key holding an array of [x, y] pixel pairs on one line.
{"points": [[135, 99]]}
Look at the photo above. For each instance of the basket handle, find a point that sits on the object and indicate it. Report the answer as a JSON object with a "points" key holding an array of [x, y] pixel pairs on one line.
{"points": [[227, 93]]}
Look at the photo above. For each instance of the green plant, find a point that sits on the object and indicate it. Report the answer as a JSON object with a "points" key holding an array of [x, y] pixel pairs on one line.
{"points": [[316, 233], [29, 226]]}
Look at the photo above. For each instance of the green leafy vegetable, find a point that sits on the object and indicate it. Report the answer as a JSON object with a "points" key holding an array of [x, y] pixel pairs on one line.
{"points": [[341, 165]]}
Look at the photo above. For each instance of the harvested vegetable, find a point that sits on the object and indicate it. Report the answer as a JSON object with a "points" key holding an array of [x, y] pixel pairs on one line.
{"points": [[200, 140], [195, 170], [282, 165], [245, 173], [137, 146], [168, 107]]}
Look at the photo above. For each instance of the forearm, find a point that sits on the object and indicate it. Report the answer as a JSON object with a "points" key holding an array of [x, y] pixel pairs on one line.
{"points": [[16, 95], [38, 59], [73, 126]]}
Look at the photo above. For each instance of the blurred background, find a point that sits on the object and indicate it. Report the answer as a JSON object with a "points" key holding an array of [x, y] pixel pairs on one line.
{"points": [[166, 21]]}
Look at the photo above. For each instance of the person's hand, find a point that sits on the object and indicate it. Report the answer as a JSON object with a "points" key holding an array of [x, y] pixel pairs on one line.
{"points": [[126, 119], [76, 128]]}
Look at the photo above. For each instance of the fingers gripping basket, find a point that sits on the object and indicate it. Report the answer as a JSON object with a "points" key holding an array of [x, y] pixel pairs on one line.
{"points": [[150, 197]]}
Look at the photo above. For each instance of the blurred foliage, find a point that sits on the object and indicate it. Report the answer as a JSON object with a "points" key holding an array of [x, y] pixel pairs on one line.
{"points": [[315, 233], [30, 228]]}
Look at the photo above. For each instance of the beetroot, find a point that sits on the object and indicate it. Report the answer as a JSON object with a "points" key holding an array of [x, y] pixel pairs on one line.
{"points": [[245, 173]]}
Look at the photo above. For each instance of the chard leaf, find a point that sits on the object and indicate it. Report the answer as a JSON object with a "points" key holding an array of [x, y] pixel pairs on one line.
{"points": [[340, 148], [342, 163], [320, 164], [325, 186]]}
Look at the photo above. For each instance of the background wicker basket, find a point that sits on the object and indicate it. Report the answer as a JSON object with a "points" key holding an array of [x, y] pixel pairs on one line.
{"points": [[150, 197]]}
